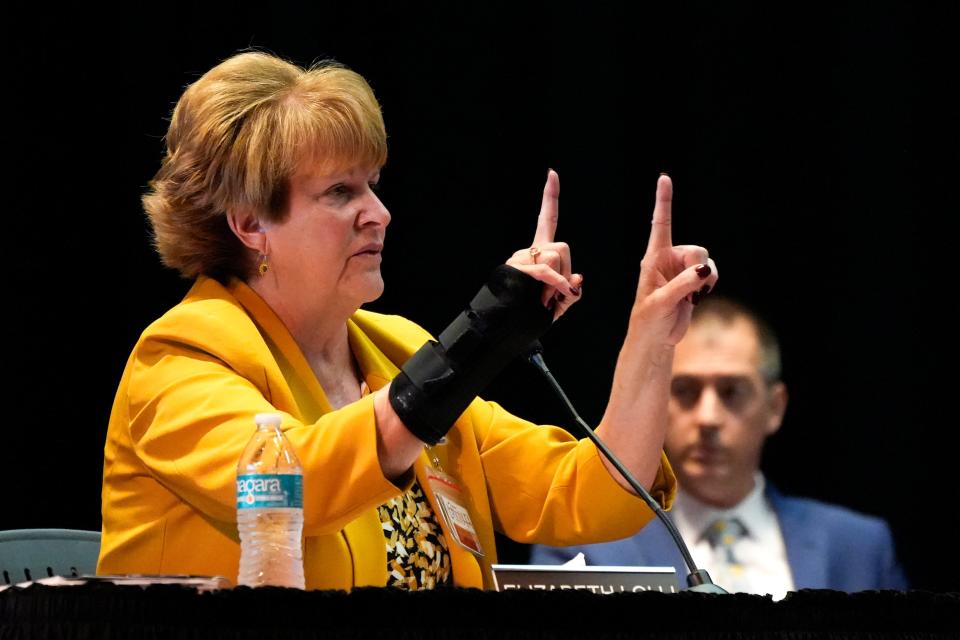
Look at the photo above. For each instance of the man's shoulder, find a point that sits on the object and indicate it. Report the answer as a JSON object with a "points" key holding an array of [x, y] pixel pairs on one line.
{"points": [[856, 551], [817, 513]]}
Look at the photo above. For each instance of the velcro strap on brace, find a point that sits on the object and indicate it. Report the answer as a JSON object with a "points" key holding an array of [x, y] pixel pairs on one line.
{"points": [[442, 378]]}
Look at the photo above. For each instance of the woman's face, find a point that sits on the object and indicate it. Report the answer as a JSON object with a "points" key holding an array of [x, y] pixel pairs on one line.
{"points": [[329, 246]]}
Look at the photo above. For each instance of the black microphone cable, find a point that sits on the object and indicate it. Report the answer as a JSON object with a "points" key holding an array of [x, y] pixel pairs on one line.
{"points": [[698, 579]]}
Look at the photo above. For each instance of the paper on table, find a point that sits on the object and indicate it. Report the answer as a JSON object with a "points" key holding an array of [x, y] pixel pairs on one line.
{"points": [[576, 561], [201, 583]]}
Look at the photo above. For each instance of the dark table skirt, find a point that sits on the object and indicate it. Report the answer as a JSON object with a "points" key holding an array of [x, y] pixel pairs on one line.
{"points": [[110, 611]]}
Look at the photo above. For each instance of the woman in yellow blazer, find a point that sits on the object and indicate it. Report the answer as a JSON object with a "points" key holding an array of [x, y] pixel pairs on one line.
{"points": [[266, 198]]}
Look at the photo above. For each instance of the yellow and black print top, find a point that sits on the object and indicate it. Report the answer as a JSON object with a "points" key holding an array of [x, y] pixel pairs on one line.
{"points": [[417, 553]]}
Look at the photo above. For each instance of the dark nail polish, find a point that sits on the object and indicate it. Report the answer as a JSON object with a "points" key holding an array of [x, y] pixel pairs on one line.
{"points": [[560, 297], [695, 297], [705, 290], [704, 270], [575, 290]]}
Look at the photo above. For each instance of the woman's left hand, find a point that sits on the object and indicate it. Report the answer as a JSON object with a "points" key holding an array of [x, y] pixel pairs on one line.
{"points": [[549, 261], [672, 278]]}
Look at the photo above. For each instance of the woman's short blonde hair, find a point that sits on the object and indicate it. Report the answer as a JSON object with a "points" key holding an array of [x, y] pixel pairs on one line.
{"points": [[237, 136]]}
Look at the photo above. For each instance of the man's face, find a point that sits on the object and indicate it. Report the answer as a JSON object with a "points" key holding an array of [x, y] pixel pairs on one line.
{"points": [[721, 410]]}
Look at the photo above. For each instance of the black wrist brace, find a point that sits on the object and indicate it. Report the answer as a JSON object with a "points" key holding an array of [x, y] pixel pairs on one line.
{"points": [[438, 382]]}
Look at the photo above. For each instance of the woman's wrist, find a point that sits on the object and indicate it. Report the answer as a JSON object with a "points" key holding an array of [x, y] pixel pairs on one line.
{"points": [[397, 448], [643, 357], [437, 383]]}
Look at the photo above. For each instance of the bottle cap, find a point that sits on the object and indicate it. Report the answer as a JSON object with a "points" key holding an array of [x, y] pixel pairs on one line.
{"points": [[268, 419]]}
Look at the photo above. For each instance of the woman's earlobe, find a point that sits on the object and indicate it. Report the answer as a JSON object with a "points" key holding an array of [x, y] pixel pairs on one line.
{"points": [[248, 228]]}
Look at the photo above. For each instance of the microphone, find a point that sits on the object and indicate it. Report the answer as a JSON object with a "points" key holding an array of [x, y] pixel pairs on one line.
{"points": [[698, 579]]}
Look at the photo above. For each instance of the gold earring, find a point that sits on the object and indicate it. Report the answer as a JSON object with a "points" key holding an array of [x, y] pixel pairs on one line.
{"points": [[264, 267]]}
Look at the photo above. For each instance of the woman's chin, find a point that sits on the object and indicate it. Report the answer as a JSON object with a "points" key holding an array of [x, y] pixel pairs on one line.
{"points": [[372, 290]]}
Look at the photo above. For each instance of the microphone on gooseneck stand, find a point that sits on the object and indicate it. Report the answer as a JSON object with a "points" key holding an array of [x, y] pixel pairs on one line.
{"points": [[698, 579]]}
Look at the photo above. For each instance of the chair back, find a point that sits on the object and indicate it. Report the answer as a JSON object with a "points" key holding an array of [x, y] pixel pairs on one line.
{"points": [[32, 554]]}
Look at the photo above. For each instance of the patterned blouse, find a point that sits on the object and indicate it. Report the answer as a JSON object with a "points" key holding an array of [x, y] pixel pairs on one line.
{"points": [[417, 553]]}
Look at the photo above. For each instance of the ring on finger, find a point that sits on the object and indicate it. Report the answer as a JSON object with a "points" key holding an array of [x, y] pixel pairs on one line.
{"points": [[534, 252]]}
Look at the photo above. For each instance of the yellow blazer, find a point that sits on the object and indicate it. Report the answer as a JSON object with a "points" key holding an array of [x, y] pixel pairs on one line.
{"points": [[184, 411]]}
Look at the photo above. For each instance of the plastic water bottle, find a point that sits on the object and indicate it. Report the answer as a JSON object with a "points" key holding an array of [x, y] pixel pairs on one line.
{"points": [[270, 509]]}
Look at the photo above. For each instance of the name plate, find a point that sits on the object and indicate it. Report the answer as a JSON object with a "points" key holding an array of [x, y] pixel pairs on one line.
{"points": [[595, 579]]}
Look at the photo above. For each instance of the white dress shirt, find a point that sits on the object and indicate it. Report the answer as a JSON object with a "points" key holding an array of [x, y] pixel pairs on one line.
{"points": [[760, 553]]}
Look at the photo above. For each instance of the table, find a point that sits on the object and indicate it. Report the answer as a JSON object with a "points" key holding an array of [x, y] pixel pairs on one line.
{"points": [[172, 611]]}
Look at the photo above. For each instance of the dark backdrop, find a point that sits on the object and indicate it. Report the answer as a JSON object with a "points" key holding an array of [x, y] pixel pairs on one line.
{"points": [[812, 151]]}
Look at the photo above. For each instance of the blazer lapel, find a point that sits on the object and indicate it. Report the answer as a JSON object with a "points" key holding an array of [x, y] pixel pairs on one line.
{"points": [[654, 547], [302, 385], [805, 542], [376, 368], [364, 535], [660, 547]]}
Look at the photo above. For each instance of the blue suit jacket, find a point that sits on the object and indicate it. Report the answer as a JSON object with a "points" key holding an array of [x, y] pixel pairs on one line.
{"points": [[828, 547]]}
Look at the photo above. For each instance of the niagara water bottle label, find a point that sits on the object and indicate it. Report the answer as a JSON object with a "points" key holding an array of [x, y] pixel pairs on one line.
{"points": [[277, 491]]}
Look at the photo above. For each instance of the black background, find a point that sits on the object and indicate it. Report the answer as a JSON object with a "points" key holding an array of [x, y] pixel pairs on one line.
{"points": [[813, 151]]}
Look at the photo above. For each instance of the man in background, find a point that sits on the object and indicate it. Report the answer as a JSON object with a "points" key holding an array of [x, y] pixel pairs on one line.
{"points": [[726, 400]]}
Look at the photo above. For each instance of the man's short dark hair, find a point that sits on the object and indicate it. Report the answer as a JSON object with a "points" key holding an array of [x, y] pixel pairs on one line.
{"points": [[727, 311]]}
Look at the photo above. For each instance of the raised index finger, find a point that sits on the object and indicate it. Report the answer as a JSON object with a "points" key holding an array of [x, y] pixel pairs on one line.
{"points": [[660, 234], [549, 210]]}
